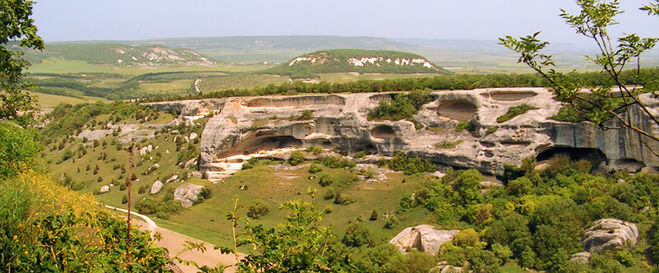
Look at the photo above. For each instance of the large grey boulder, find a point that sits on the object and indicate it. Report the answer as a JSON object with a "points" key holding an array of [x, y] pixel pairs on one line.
{"points": [[423, 237], [187, 194], [607, 234], [155, 188]]}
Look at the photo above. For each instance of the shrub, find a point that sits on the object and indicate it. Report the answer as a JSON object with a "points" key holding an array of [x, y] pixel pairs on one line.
{"points": [[296, 158], [142, 189], [402, 106], [359, 154], [391, 222], [325, 180], [515, 111], [356, 235], [342, 199], [462, 125], [315, 168], [18, 147], [257, 209], [335, 162], [315, 150], [204, 194], [374, 216]]}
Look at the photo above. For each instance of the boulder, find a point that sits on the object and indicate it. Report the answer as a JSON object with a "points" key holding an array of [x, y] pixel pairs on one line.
{"points": [[193, 135], [187, 194], [155, 188], [583, 257], [607, 234], [104, 189], [422, 237], [172, 179], [190, 163], [444, 267]]}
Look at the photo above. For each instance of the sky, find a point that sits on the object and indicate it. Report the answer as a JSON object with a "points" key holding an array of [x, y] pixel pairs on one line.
{"points": [[70, 20]]}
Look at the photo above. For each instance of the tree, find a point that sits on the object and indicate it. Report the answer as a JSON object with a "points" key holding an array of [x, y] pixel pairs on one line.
{"points": [[600, 103], [301, 244], [16, 29]]}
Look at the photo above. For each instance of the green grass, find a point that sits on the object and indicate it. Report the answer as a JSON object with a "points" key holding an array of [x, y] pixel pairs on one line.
{"points": [[50, 101], [515, 111], [262, 184], [239, 81], [448, 144]]}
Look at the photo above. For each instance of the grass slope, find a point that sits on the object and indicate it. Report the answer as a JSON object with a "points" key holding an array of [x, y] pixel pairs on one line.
{"points": [[117, 54], [352, 60]]}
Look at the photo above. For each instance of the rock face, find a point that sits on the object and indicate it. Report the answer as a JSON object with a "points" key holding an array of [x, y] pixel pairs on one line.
{"points": [[423, 237], [252, 124], [583, 257], [608, 234], [187, 194], [155, 188]]}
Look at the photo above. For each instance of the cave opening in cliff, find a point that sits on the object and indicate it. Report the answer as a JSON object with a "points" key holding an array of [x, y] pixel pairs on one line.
{"points": [[383, 131], [263, 143], [594, 155], [458, 109]]}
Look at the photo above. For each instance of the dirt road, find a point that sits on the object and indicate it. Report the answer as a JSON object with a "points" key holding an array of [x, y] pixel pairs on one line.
{"points": [[174, 243]]}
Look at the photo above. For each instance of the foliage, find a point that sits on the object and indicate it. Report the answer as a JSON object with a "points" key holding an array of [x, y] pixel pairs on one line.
{"points": [[18, 148], [47, 228], [16, 102], [515, 111], [301, 244], [598, 104], [410, 165], [297, 157], [305, 115], [337, 162], [257, 209], [357, 235], [315, 168], [402, 106]]}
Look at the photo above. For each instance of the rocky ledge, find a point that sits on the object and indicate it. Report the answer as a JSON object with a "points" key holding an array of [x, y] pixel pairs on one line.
{"points": [[339, 121]]}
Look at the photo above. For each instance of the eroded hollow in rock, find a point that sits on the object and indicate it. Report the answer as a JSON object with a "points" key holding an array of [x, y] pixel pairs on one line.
{"points": [[629, 164], [383, 131], [509, 95], [457, 109], [595, 156], [262, 143]]}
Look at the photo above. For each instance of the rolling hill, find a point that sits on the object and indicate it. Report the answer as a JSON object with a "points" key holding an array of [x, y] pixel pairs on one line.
{"points": [[118, 54], [355, 60]]}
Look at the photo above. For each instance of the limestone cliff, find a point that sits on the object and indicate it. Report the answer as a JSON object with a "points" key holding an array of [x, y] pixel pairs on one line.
{"points": [[249, 124]]}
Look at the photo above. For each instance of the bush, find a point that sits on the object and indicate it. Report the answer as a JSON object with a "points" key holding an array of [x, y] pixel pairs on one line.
{"points": [[18, 148], [462, 125], [325, 180], [296, 158], [257, 209], [374, 216], [515, 111], [357, 235], [402, 106], [400, 162], [315, 168], [359, 154], [343, 199], [336, 162], [391, 222]]}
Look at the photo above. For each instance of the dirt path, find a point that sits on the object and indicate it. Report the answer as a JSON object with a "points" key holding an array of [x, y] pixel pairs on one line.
{"points": [[174, 243]]}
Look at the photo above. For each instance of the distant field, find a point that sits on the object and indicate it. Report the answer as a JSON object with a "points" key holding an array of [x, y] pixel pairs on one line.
{"points": [[50, 101], [70, 66], [239, 81]]}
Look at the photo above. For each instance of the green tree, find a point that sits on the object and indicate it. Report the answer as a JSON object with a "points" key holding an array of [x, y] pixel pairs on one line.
{"points": [[18, 148], [301, 244], [16, 29], [599, 104]]}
